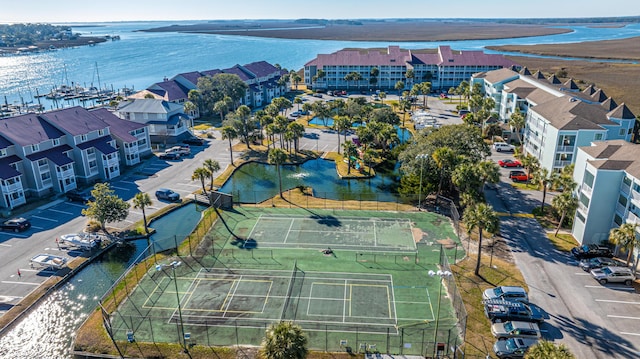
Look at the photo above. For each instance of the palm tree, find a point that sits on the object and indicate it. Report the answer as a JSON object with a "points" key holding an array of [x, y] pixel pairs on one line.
{"points": [[295, 78], [564, 203], [625, 238], [445, 158], [399, 86], [382, 95], [220, 107], [297, 130], [425, 88], [548, 350], [284, 340], [530, 164], [212, 166], [340, 124], [229, 133], [546, 179], [368, 156], [201, 174], [409, 75], [297, 101], [484, 218], [141, 201], [517, 123], [190, 108], [488, 171], [277, 157], [350, 150]]}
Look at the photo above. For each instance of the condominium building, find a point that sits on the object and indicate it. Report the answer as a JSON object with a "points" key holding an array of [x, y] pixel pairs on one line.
{"points": [[608, 178], [165, 120], [559, 117], [444, 68]]}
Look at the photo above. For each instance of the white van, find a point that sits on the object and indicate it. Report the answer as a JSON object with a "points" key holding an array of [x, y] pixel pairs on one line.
{"points": [[503, 146]]}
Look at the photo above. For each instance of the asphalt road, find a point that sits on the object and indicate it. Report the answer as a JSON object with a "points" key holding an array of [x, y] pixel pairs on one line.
{"points": [[593, 320]]}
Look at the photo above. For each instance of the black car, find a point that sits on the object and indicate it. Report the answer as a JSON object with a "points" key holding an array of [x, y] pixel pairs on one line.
{"points": [[167, 195], [591, 251], [79, 196], [503, 310], [16, 225], [598, 262], [196, 141]]}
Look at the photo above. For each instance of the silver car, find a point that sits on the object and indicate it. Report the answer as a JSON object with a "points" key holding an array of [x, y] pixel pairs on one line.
{"points": [[606, 275], [515, 329]]}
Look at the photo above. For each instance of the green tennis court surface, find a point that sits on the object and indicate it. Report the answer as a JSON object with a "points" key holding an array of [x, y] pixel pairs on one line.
{"points": [[260, 266]]}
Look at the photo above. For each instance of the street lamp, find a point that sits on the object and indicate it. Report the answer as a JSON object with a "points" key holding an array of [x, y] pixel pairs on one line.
{"points": [[441, 274], [173, 266], [421, 157]]}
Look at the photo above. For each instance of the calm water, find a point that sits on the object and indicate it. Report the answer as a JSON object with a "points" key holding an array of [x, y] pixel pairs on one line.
{"points": [[47, 332], [139, 59], [255, 182]]}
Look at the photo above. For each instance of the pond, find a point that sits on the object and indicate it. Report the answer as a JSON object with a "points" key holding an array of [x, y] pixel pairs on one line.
{"points": [[257, 182], [47, 331]]}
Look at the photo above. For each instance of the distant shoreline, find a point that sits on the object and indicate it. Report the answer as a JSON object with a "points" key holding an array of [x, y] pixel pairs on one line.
{"points": [[53, 45], [397, 31]]}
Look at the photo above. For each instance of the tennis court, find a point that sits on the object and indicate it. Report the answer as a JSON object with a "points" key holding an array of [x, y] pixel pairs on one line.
{"points": [[373, 288], [348, 233]]}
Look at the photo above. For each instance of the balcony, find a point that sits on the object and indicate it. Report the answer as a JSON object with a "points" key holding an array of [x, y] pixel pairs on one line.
{"points": [[621, 209], [568, 148], [561, 163], [625, 189], [9, 188], [586, 189], [582, 208]]}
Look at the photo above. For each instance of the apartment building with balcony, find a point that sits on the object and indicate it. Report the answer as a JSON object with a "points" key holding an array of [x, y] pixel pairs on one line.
{"points": [[262, 78], [11, 176], [444, 68], [44, 161], [559, 117], [132, 138], [608, 178], [166, 121], [92, 146]]}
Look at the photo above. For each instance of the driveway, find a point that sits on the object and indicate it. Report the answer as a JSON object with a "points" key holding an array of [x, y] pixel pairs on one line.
{"points": [[594, 321]]}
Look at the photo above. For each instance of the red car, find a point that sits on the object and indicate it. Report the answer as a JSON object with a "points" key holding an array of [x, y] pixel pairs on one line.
{"points": [[509, 163], [518, 176]]}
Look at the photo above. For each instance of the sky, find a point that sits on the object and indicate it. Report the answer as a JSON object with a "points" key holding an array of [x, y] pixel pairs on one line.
{"points": [[57, 11]]}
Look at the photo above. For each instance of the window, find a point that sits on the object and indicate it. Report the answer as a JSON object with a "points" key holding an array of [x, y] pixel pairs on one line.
{"points": [[627, 181], [83, 138], [35, 148], [598, 137], [580, 216], [617, 219], [100, 132], [584, 200], [56, 142], [45, 176], [42, 162], [93, 164], [588, 178], [622, 131], [91, 151], [622, 200]]}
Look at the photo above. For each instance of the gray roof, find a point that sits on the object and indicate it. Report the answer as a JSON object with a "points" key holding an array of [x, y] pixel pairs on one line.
{"points": [[28, 129], [615, 155], [74, 120], [56, 155], [622, 112], [499, 75], [147, 105], [118, 127], [6, 171], [568, 113]]}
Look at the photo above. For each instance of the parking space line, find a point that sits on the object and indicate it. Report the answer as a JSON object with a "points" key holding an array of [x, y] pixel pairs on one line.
{"points": [[46, 219], [623, 317], [75, 205], [616, 301], [27, 283], [121, 188], [58, 211], [127, 182], [629, 289], [582, 273], [189, 185], [627, 333], [4, 245]]}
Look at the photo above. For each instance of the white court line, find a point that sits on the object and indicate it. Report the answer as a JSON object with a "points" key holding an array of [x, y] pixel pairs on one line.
{"points": [[288, 231], [627, 333], [27, 283], [344, 304], [237, 283], [623, 317], [616, 301], [46, 219], [4, 245], [58, 211]]}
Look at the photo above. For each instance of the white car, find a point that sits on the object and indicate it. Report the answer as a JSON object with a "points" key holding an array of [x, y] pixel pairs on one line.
{"points": [[503, 146]]}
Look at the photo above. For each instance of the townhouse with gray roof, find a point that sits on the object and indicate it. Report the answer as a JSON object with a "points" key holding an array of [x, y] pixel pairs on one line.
{"points": [[54, 152], [559, 117], [165, 120], [444, 68], [262, 78], [608, 178]]}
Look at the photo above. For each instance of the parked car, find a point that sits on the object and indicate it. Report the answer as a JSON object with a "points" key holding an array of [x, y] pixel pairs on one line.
{"points": [[598, 262], [518, 176], [503, 146], [507, 330], [606, 275], [504, 310], [506, 293], [374, 97], [182, 150], [167, 195], [169, 156], [444, 95], [76, 195], [194, 141], [329, 93], [591, 251], [509, 163], [513, 348], [16, 224], [318, 95]]}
